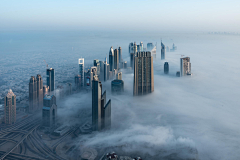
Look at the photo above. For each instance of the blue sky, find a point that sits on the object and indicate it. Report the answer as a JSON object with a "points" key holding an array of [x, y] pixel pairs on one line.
{"points": [[165, 15]]}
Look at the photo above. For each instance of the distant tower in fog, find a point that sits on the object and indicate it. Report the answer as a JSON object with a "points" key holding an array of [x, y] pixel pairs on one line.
{"points": [[163, 50], [81, 70], [119, 55], [10, 108], [166, 67], [51, 79], [78, 82], [111, 59], [143, 73]]}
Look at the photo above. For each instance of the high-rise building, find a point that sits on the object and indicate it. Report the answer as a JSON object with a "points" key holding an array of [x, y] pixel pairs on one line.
{"points": [[141, 46], [138, 48], [45, 90], [163, 50], [106, 71], [185, 66], [49, 111], [130, 48], [35, 93], [78, 82], [119, 55], [132, 56], [117, 86], [149, 46], [116, 59], [143, 73], [134, 48], [81, 70], [10, 108], [69, 89], [111, 59], [33, 100], [51, 79], [97, 64], [101, 70], [39, 91], [119, 76], [101, 112], [154, 52], [166, 67], [124, 64]]}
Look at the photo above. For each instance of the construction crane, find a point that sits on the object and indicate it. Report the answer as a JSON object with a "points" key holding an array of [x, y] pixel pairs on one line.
{"points": [[46, 63]]}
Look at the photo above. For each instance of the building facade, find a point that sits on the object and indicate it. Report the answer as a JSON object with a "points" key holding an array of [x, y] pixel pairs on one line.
{"points": [[51, 79], [116, 59], [101, 112], [185, 66], [163, 51], [117, 86], [81, 70], [166, 68], [10, 108], [111, 59], [49, 111], [143, 74]]}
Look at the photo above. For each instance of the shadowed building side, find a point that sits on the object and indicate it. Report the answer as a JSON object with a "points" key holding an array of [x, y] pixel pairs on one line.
{"points": [[143, 74], [10, 108], [49, 111]]}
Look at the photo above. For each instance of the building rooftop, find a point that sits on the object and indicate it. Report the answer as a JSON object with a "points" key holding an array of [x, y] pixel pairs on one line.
{"points": [[48, 97], [46, 108]]}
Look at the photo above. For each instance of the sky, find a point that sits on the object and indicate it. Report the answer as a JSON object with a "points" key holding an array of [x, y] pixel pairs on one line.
{"points": [[151, 15]]}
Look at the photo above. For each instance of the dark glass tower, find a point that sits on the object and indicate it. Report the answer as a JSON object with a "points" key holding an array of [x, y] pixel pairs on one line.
{"points": [[116, 59], [163, 50], [166, 67], [111, 59], [50, 79]]}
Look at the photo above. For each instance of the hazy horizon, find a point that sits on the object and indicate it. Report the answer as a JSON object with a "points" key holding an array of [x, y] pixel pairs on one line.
{"points": [[173, 15]]}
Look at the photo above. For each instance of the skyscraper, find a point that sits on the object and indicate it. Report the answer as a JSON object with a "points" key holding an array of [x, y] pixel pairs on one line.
{"points": [[97, 65], [78, 82], [143, 74], [185, 66], [132, 56], [134, 48], [116, 59], [10, 108], [51, 79], [49, 111], [106, 71], [81, 70], [111, 59], [39, 91], [101, 112], [130, 48], [141, 46], [45, 90], [117, 86], [119, 55], [163, 50], [119, 76], [33, 100], [166, 67], [149, 46]]}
